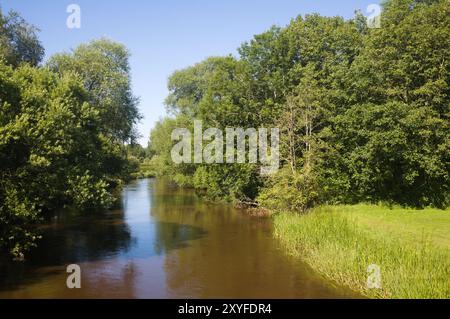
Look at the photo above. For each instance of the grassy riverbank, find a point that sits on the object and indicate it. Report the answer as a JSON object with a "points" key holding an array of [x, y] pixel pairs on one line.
{"points": [[412, 247]]}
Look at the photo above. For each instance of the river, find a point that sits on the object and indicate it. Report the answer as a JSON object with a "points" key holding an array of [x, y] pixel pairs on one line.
{"points": [[164, 242]]}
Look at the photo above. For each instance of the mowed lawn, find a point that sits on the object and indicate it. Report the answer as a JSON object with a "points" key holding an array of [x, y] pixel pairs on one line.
{"points": [[411, 247], [412, 225]]}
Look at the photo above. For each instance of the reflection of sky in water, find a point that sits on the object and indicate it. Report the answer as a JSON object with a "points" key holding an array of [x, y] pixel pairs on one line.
{"points": [[150, 237], [137, 215]]}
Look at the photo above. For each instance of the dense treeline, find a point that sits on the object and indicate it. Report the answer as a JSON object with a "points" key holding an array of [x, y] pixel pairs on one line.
{"points": [[364, 113], [63, 126]]}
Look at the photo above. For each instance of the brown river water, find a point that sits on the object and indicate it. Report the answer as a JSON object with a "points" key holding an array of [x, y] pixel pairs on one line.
{"points": [[164, 242]]}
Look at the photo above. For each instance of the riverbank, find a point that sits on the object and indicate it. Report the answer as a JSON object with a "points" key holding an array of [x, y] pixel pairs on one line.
{"points": [[411, 247]]}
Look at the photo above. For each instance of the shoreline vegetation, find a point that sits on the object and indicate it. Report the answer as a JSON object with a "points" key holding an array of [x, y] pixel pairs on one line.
{"points": [[411, 247], [364, 117]]}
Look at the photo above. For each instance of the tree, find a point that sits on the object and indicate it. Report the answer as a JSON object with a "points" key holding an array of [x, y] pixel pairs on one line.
{"points": [[364, 113], [104, 69], [302, 119], [392, 143], [51, 151], [62, 130], [18, 41]]}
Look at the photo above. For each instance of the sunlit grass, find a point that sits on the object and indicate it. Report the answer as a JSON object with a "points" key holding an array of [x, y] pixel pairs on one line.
{"points": [[411, 247]]}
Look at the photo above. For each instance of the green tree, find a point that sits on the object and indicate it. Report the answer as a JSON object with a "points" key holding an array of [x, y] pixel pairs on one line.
{"points": [[50, 146], [364, 113], [62, 130], [392, 143], [18, 41], [104, 69]]}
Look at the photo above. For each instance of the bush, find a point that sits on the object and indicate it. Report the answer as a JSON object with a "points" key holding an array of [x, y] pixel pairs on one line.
{"points": [[89, 193], [292, 191]]}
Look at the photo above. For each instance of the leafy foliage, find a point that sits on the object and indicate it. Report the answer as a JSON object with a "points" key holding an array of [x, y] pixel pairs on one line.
{"points": [[18, 41], [104, 70], [363, 113], [56, 148]]}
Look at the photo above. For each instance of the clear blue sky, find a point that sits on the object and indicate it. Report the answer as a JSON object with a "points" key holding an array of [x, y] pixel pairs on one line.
{"points": [[167, 35]]}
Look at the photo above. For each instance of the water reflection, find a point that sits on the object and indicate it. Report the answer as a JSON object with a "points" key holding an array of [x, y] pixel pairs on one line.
{"points": [[70, 239], [164, 242]]}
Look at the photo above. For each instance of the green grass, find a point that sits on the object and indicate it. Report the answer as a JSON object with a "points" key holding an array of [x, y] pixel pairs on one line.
{"points": [[412, 247]]}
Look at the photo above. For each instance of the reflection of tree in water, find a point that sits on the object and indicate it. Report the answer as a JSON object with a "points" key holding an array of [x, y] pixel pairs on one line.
{"points": [[75, 239], [239, 257], [88, 239], [174, 236], [171, 207], [174, 204], [163, 193]]}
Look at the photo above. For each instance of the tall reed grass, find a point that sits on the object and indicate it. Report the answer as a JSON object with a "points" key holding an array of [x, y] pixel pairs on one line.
{"points": [[340, 249]]}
